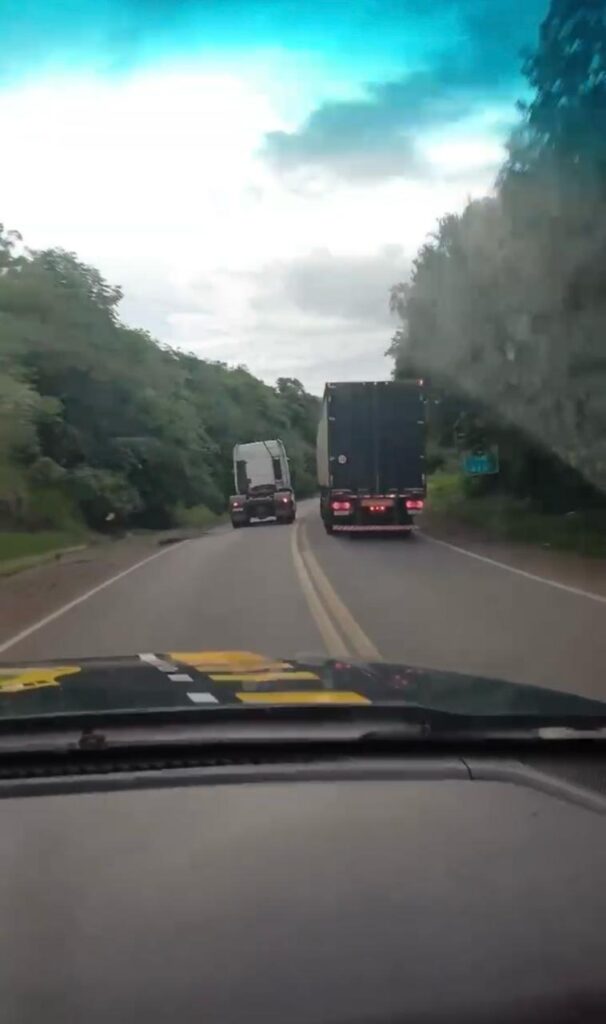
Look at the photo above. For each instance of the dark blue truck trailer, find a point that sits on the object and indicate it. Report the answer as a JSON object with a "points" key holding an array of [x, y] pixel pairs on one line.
{"points": [[371, 456]]}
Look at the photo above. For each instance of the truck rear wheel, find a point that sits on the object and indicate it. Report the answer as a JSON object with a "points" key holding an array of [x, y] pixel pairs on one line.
{"points": [[328, 527]]}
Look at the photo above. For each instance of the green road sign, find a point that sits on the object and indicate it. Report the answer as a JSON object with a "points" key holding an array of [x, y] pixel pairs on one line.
{"points": [[481, 463]]}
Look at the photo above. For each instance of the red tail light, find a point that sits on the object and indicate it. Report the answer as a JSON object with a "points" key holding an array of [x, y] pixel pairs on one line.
{"points": [[341, 506], [414, 504], [378, 508]]}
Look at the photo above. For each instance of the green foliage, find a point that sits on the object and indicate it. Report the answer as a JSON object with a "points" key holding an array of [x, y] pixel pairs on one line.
{"points": [[445, 491], [16, 546], [562, 128], [46, 471], [99, 420], [47, 507], [454, 499], [505, 312], [197, 518], [105, 497]]}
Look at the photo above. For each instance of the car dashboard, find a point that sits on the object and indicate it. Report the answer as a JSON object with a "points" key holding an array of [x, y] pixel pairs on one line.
{"points": [[402, 889]]}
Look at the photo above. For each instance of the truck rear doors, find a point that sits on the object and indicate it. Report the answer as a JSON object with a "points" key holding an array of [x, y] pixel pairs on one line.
{"points": [[376, 437]]}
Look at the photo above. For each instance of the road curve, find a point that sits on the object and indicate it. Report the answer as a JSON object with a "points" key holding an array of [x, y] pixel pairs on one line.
{"points": [[289, 591]]}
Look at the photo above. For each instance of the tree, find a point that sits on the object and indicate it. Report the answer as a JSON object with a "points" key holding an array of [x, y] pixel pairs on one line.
{"points": [[506, 306], [102, 416], [563, 125]]}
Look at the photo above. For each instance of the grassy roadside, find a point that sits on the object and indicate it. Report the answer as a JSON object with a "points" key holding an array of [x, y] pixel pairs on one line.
{"points": [[18, 545], [502, 517], [23, 549], [197, 518], [20, 551]]}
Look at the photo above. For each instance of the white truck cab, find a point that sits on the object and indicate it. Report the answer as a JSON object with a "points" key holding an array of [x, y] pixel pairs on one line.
{"points": [[263, 486]]}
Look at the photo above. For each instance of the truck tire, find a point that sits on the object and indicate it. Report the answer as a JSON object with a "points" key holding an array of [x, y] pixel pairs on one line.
{"points": [[328, 527], [235, 525]]}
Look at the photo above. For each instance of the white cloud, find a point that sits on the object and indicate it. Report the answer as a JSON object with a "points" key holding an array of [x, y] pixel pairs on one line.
{"points": [[322, 283], [157, 180]]}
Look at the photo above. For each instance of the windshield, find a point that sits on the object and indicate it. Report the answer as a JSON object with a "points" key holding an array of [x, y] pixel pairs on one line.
{"points": [[301, 354]]}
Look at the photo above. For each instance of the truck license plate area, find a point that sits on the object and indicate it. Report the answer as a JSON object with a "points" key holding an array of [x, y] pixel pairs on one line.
{"points": [[377, 503]]}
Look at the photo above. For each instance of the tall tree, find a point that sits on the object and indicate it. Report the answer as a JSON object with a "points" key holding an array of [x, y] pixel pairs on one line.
{"points": [[506, 305], [125, 429], [563, 124]]}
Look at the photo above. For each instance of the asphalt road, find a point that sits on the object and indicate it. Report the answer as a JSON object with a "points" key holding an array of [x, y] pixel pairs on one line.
{"points": [[291, 590]]}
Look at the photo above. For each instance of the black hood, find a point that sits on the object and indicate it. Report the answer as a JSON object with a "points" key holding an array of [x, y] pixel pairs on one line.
{"points": [[240, 679]]}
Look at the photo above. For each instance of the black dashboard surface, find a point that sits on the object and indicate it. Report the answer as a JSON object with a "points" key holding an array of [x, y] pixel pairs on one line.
{"points": [[350, 901]]}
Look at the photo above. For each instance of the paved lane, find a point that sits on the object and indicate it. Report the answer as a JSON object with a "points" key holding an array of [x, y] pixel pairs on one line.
{"points": [[429, 605], [227, 590], [413, 601]]}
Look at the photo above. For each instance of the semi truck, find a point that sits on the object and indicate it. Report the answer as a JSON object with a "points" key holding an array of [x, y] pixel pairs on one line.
{"points": [[371, 456], [262, 483]]}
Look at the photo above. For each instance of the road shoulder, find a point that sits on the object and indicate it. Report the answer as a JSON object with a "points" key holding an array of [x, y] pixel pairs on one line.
{"points": [[562, 567], [36, 592]]}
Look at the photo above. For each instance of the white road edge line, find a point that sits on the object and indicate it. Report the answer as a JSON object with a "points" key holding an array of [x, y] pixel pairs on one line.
{"points": [[600, 598], [79, 600]]}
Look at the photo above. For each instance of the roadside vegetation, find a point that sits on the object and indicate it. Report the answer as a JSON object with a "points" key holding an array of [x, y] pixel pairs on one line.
{"points": [[200, 517], [20, 546], [104, 429], [505, 312], [454, 501]]}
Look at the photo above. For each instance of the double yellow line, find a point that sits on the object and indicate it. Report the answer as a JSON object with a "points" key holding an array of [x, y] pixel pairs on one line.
{"points": [[341, 634]]}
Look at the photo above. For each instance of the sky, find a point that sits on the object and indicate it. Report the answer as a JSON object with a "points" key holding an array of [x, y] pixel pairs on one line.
{"points": [[255, 174]]}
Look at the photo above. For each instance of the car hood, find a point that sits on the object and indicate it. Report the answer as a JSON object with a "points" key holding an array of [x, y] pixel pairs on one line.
{"points": [[240, 679]]}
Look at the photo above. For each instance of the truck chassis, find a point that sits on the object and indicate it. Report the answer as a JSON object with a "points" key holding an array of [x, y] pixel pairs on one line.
{"points": [[262, 503]]}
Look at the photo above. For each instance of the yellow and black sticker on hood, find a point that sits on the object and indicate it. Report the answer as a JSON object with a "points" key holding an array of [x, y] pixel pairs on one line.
{"points": [[177, 680], [18, 680], [174, 679], [251, 678]]}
